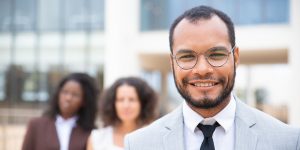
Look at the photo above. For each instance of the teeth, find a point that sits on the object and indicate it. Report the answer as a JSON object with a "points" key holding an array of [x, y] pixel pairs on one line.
{"points": [[204, 84]]}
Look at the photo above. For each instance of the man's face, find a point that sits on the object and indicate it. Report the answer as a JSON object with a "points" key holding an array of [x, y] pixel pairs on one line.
{"points": [[204, 86]]}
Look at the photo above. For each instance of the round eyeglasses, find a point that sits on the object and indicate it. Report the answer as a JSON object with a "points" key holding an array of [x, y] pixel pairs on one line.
{"points": [[216, 57]]}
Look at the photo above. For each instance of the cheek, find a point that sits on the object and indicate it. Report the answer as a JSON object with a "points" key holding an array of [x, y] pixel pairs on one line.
{"points": [[135, 108], [136, 111], [178, 73], [117, 107], [79, 103], [138, 108], [60, 99], [229, 71]]}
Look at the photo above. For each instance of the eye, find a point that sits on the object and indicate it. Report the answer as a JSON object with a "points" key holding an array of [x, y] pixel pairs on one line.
{"points": [[217, 54], [64, 92], [185, 57], [132, 99], [77, 95], [119, 99]]}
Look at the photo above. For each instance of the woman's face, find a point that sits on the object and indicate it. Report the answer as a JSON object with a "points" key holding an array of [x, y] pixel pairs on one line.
{"points": [[70, 99], [127, 103]]}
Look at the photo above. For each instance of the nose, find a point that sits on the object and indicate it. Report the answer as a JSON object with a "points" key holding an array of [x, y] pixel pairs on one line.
{"points": [[126, 103], [68, 96], [202, 67]]}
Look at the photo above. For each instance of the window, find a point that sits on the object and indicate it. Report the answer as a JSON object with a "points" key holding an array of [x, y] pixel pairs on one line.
{"points": [[277, 11], [25, 15], [5, 15], [159, 14], [84, 14], [153, 15], [17, 15], [51, 15]]}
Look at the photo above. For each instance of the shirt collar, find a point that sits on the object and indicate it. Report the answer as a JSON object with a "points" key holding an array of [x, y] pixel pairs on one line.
{"points": [[225, 117], [70, 121]]}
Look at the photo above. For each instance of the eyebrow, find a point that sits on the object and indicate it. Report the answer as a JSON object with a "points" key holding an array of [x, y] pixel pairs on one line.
{"points": [[217, 48], [185, 51], [210, 49]]}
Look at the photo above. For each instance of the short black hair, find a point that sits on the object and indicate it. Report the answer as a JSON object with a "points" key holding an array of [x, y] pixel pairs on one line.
{"points": [[87, 113], [203, 12], [147, 97]]}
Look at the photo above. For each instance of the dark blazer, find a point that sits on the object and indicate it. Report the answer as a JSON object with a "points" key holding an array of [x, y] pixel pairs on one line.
{"points": [[41, 135]]}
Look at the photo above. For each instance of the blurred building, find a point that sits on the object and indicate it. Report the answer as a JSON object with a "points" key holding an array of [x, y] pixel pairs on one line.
{"points": [[41, 40], [267, 32]]}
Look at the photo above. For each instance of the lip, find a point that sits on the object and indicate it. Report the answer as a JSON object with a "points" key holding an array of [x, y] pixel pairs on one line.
{"points": [[203, 84], [126, 113], [65, 105]]}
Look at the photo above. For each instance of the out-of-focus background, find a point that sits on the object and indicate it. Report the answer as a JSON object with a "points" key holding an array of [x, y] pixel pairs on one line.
{"points": [[42, 40]]}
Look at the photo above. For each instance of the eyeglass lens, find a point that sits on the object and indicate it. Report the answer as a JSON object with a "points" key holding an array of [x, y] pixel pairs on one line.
{"points": [[187, 59]]}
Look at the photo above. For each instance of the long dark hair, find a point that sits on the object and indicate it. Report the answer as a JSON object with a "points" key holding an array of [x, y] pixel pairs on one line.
{"points": [[147, 97], [87, 113]]}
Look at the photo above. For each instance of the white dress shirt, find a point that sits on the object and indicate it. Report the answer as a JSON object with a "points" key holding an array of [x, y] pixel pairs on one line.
{"points": [[224, 134], [64, 129]]}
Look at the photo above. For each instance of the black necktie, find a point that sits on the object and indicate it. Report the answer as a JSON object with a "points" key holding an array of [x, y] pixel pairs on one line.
{"points": [[208, 130]]}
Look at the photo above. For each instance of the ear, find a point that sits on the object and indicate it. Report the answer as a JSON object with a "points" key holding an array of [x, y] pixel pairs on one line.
{"points": [[236, 56]]}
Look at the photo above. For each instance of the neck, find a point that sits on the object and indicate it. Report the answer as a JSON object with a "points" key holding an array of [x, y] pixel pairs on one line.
{"points": [[120, 130], [125, 127], [66, 116], [210, 112]]}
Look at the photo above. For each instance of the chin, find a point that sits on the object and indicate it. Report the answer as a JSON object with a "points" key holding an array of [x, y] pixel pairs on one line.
{"points": [[204, 102], [128, 119]]}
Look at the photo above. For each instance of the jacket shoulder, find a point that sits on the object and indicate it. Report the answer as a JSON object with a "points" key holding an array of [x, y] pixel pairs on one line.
{"points": [[263, 120], [40, 121], [267, 127], [152, 135], [154, 128]]}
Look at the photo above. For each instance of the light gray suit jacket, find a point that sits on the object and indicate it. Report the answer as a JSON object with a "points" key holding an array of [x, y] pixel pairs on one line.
{"points": [[254, 130]]}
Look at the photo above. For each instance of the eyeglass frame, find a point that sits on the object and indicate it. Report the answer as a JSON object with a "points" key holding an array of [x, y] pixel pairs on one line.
{"points": [[206, 58]]}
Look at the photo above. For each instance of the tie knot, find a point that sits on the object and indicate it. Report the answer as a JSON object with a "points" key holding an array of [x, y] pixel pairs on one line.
{"points": [[208, 130]]}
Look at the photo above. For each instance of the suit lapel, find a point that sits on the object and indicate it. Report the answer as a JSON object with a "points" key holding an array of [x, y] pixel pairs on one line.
{"points": [[52, 135], [245, 137], [173, 139]]}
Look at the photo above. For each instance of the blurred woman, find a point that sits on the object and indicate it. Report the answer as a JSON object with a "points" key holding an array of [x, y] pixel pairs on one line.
{"points": [[70, 118], [130, 103]]}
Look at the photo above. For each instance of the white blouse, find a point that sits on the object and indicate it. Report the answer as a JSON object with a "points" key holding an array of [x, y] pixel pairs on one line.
{"points": [[102, 139], [64, 129]]}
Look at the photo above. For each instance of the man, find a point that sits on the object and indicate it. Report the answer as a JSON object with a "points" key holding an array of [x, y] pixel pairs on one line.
{"points": [[204, 59]]}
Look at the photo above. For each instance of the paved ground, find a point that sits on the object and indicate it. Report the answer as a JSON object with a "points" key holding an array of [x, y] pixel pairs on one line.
{"points": [[13, 122], [11, 136]]}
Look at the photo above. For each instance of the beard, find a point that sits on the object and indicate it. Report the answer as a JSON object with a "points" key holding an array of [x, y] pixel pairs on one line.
{"points": [[206, 102]]}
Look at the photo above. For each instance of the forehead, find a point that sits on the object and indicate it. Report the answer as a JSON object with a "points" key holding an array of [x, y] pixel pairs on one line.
{"points": [[202, 34], [72, 84], [126, 89]]}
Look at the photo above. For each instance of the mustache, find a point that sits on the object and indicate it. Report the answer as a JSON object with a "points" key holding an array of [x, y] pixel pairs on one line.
{"points": [[186, 80]]}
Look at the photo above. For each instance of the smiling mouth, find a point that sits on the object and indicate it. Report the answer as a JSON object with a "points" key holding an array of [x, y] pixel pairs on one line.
{"points": [[65, 105], [204, 84]]}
